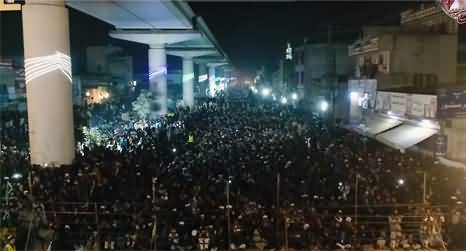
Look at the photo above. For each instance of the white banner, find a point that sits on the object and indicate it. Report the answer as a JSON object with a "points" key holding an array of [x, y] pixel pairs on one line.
{"points": [[423, 106], [410, 105], [398, 103]]}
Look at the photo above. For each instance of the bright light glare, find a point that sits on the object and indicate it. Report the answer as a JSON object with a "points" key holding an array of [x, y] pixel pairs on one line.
{"points": [[38, 66], [203, 78], [354, 96], [323, 105], [265, 92], [134, 83], [390, 113], [284, 100], [401, 181], [426, 123], [174, 150], [158, 72], [294, 96], [16, 176]]}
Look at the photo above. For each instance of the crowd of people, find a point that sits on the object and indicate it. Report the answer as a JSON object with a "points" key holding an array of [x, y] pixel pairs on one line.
{"points": [[236, 173]]}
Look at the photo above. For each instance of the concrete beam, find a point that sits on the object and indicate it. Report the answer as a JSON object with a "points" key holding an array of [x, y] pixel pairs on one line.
{"points": [[157, 37]]}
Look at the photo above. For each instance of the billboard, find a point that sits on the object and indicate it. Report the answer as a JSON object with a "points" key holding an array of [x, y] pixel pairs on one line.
{"points": [[407, 105], [452, 103], [422, 106], [391, 102]]}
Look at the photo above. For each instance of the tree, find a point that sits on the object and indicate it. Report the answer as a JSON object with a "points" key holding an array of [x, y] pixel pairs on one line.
{"points": [[142, 105]]}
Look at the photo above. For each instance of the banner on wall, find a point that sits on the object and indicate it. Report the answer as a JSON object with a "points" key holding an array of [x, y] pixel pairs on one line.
{"points": [[452, 103], [407, 105], [422, 106]]}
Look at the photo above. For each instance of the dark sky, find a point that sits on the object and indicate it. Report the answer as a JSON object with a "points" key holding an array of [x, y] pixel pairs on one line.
{"points": [[256, 33], [252, 34]]}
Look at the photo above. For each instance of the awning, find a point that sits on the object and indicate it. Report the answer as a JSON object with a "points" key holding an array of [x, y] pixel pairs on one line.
{"points": [[405, 136], [375, 124]]}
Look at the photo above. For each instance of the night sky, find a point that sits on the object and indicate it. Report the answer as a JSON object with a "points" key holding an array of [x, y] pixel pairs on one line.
{"points": [[255, 34], [252, 34]]}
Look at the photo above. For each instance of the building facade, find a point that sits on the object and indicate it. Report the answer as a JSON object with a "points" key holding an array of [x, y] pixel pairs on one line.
{"points": [[109, 68]]}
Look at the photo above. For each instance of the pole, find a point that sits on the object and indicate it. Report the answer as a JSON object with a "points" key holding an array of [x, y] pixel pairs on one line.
{"points": [[277, 209], [356, 203], [277, 192], [331, 61], [228, 213], [424, 187], [286, 234]]}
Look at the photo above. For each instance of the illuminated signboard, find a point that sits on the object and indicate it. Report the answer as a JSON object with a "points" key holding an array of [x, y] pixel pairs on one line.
{"points": [[364, 47], [289, 52], [455, 9]]}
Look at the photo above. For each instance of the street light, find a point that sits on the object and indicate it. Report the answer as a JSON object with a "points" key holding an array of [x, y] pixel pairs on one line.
{"points": [[284, 100], [323, 105], [265, 92], [401, 181], [294, 96], [354, 96], [16, 176]]}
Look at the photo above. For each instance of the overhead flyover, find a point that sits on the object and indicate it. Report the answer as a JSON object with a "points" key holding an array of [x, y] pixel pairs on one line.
{"points": [[155, 15], [167, 27], [163, 25]]}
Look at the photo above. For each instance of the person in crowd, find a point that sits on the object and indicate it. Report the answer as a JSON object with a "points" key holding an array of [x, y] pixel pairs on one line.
{"points": [[10, 245], [236, 173]]}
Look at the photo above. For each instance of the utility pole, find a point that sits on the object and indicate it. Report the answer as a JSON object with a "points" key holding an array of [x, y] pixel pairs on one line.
{"points": [[277, 209], [356, 188], [331, 71], [228, 212]]}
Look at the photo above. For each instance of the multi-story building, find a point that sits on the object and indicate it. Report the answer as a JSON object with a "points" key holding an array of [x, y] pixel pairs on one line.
{"points": [[418, 62], [314, 67], [282, 78], [404, 58], [420, 53], [12, 83], [106, 67]]}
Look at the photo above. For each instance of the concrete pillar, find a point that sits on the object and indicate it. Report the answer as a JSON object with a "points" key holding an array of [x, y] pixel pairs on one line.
{"points": [[188, 79], [158, 78], [48, 82], [212, 84]]}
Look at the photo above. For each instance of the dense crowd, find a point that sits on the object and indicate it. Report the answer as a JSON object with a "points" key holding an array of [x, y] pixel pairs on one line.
{"points": [[237, 173]]}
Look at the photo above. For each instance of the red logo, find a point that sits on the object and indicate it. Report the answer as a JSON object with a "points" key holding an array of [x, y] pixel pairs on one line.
{"points": [[456, 9]]}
